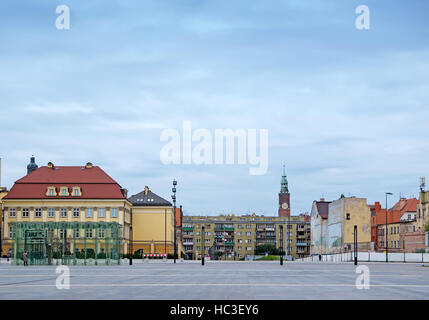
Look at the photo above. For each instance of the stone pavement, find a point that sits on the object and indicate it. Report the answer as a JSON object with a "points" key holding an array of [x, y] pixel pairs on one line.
{"points": [[217, 281]]}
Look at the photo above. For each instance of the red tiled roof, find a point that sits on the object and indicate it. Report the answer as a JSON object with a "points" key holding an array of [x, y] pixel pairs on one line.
{"points": [[67, 175], [323, 208], [394, 215], [94, 184], [406, 205]]}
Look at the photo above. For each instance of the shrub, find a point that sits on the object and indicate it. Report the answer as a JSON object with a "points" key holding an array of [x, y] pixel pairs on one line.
{"points": [[268, 258], [137, 255], [270, 248]]}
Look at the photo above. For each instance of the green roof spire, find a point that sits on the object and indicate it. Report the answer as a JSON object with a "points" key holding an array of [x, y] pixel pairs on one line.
{"points": [[284, 184]]}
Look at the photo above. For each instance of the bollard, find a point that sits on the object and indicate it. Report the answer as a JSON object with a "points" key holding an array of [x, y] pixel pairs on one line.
{"points": [[281, 261]]}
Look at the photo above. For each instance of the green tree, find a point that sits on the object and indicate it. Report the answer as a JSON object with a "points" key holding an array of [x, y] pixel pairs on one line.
{"points": [[427, 226], [270, 248]]}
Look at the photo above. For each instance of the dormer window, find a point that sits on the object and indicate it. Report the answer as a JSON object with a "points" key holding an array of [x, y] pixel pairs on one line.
{"points": [[51, 192], [64, 192], [76, 192]]}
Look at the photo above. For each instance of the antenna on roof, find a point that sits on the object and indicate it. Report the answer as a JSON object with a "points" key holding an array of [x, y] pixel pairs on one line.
{"points": [[422, 184]]}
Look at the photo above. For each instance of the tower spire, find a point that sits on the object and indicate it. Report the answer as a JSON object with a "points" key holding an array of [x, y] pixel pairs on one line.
{"points": [[284, 184]]}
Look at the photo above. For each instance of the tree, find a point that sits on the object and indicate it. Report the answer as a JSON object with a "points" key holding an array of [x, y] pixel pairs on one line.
{"points": [[427, 226], [270, 248]]}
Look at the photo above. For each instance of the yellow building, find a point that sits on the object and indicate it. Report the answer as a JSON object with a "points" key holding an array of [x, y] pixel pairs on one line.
{"points": [[233, 237], [422, 217], [78, 195], [153, 224], [3, 193], [336, 234]]}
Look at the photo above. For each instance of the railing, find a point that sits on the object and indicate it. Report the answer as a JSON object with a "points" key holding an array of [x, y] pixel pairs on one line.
{"points": [[369, 257]]}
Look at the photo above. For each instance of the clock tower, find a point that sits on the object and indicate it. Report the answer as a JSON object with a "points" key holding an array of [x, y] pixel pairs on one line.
{"points": [[284, 197]]}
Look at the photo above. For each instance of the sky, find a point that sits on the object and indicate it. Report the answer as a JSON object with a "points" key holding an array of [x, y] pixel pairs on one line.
{"points": [[347, 110]]}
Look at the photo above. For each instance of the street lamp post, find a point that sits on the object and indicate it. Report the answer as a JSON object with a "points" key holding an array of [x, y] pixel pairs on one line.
{"points": [[203, 245], [387, 243], [281, 245], [174, 213], [355, 244], [129, 246]]}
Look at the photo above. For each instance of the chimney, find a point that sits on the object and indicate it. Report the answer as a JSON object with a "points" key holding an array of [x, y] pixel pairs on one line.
{"points": [[50, 165], [88, 165]]}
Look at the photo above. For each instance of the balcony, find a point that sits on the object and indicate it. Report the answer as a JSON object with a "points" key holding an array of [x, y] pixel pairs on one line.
{"points": [[188, 243], [229, 243], [229, 229], [188, 228]]}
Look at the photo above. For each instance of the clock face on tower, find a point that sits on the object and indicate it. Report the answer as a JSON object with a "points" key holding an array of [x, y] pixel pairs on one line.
{"points": [[285, 205]]}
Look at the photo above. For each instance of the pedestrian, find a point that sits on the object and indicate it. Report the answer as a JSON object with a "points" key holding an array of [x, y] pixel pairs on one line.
{"points": [[25, 258]]}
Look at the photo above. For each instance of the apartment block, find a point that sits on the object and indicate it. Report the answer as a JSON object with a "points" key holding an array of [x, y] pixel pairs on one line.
{"points": [[230, 237]]}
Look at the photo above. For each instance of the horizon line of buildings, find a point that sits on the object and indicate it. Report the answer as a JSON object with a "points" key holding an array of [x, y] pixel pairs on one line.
{"points": [[64, 210]]}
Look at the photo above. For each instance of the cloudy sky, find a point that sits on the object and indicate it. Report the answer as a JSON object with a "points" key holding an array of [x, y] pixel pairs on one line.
{"points": [[347, 110]]}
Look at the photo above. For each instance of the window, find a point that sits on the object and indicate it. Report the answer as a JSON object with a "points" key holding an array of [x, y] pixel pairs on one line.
{"points": [[198, 240], [101, 212], [114, 212], [249, 248], [62, 233], [38, 212], [101, 233], [89, 212], [12, 212], [64, 191], [198, 233], [248, 233], [76, 233], [239, 233], [76, 213], [63, 213], [348, 216], [248, 226], [89, 233], [207, 240], [51, 192], [76, 192], [240, 248], [25, 213], [248, 240], [51, 212], [11, 232]]}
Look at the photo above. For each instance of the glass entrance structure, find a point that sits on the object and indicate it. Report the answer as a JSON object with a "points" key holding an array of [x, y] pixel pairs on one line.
{"points": [[69, 243]]}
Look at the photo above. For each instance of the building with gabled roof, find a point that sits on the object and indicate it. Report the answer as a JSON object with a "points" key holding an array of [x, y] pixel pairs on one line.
{"points": [[153, 224], [399, 221], [319, 226], [81, 195]]}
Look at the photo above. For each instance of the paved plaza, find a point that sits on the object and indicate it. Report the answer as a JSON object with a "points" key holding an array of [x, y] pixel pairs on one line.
{"points": [[217, 281]]}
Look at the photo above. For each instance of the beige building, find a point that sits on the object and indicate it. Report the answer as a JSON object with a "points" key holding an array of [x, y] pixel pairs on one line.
{"points": [[80, 195], [333, 231], [153, 224], [422, 217], [233, 237]]}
